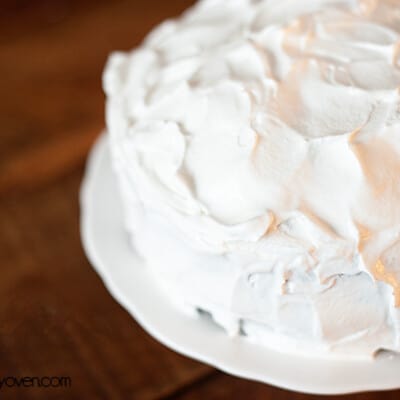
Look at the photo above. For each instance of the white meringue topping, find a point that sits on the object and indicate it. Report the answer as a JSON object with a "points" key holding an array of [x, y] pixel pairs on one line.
{"points": [[257, 144]]}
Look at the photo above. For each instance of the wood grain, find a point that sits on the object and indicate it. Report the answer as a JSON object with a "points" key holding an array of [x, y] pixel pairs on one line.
{"points": [[56, 317]]}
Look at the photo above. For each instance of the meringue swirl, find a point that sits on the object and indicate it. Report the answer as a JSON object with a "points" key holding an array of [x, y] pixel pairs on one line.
{"points": [[257, 147]]}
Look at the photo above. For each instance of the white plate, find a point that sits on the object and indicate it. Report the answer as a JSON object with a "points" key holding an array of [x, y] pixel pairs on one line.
{"points": [[127, 278]]}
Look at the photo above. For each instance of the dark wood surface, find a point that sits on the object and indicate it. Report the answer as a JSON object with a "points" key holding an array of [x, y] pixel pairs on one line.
{"points": [[56, 317]]}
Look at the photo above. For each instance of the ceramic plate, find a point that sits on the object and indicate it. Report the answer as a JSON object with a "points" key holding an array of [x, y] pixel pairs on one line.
{"points": [[129, 281]]}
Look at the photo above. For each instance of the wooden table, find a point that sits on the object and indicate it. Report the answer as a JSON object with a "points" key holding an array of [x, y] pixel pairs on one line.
{"points": [[56, 317]]}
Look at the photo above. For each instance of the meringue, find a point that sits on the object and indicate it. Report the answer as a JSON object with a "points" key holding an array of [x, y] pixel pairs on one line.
{"points": [[257, 149]]}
